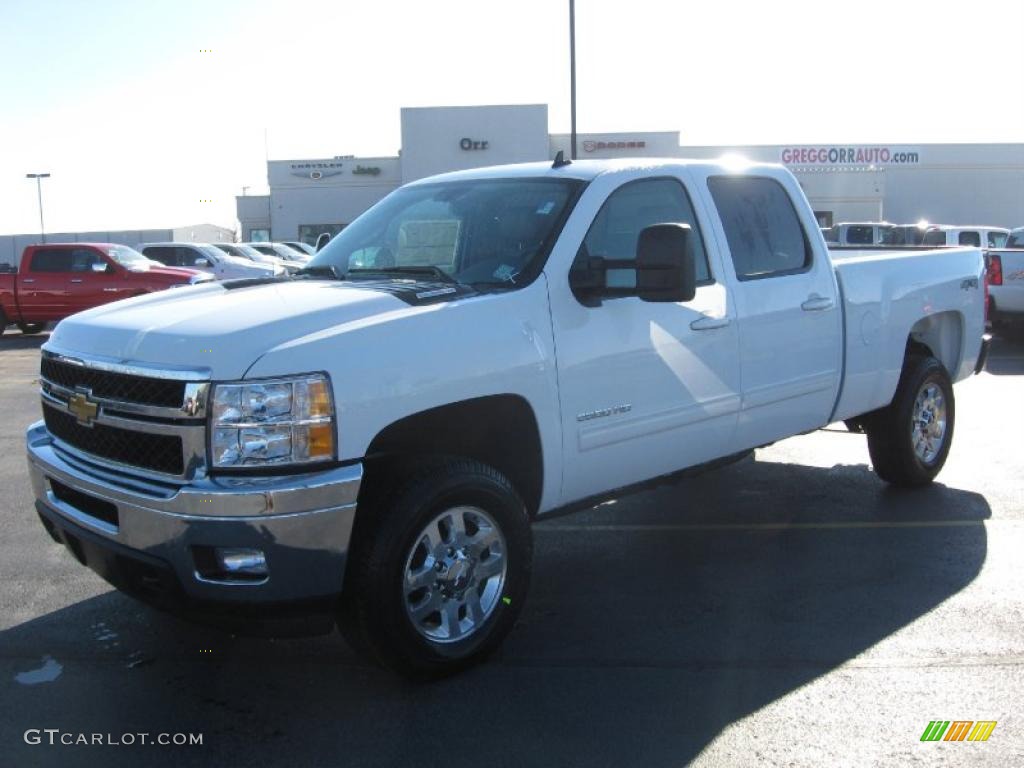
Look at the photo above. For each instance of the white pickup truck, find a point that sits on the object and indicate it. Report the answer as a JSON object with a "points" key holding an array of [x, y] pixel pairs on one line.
{"points": [[368, 444]]}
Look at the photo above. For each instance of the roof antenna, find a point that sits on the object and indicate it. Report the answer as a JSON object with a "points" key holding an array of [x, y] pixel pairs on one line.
{"points": [[560, 160]]}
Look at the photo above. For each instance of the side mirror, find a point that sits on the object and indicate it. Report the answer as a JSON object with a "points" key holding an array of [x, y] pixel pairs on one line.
{"points": [[101, 267], [664, 270], [201, 262], [322, 239], [665, 266]]}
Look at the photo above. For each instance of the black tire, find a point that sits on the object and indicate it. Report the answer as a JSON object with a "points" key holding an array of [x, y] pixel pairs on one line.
{"points": [[890, 430], [373, 615], [30, 328]]}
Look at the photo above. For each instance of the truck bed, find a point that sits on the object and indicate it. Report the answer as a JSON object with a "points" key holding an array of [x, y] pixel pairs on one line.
{"points": [[883, 293]]}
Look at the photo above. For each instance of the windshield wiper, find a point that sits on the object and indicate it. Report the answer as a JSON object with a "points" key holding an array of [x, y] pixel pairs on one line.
{"points": [[425, 270], [330, 271]]}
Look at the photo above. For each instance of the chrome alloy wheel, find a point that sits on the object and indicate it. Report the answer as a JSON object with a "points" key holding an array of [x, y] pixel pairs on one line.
{"points": [[454, 574], [928, 423]]}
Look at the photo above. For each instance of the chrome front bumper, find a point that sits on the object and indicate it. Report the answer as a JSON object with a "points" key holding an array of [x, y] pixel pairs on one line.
{"points": [[157, 543]]}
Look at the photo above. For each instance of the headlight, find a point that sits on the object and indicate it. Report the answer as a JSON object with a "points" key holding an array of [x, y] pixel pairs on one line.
{"points": [[272, 422]]}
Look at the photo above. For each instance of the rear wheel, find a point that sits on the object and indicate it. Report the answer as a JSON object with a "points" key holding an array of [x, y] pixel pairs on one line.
{"points": [[30, 328], [440, 571], [910, 439]]}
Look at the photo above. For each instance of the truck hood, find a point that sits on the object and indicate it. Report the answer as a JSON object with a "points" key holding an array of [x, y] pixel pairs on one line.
{"points": [[211, 326]]}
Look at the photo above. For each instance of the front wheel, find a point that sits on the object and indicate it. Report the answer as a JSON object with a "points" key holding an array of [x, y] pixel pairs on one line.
{"points": [[30, 328], [910, 439], [440, 571]]}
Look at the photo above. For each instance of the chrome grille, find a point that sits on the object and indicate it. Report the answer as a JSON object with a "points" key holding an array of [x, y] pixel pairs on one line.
{"points": [[116, 386], [137, 420], [160, 453]]}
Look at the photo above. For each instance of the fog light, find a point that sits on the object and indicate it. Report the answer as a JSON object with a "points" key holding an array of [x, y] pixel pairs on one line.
{"points": [[250, 562]]}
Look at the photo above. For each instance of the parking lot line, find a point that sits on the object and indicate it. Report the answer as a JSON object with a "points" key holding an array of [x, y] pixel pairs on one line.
{"points": [[764, 527]]}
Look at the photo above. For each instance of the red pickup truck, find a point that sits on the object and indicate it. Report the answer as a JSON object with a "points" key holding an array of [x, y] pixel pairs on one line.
{"points": [[58, 279]]}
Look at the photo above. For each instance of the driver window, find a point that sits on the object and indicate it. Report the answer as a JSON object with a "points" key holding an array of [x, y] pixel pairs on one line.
{"points": [[634, 206], [82, 260]]}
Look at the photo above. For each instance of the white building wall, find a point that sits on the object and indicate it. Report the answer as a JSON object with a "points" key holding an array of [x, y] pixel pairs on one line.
{"points": [[441, 139], [325, 191]]}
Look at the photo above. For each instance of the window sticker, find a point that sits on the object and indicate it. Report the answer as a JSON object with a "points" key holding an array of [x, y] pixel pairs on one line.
{"points": [[546, 208]]}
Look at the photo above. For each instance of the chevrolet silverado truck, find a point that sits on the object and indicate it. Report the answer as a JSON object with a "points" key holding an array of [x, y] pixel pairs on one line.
{"points": [[365, 444], [1006, 282], [59, 279]]}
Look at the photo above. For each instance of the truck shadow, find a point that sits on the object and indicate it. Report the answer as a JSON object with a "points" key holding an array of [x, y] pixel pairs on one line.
{"points": [[18, 340], [653, 624]]}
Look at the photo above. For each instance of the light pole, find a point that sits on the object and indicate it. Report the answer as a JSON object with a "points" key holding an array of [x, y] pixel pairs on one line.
{"points": [[572, 77], [39, 190]]}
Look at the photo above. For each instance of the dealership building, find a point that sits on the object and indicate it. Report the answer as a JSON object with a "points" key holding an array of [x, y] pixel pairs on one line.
{"points": [[939, 183]]}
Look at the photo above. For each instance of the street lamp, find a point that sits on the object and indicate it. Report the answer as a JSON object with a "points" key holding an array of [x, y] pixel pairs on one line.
{"points": [[39, 191], [572, 77]]}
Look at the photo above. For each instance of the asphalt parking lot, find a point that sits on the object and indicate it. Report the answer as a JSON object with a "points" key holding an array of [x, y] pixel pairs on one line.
{"points": [[787, 610]]}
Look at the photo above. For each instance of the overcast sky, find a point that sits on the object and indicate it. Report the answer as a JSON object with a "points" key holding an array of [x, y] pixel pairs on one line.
{"points": [[139, 124]]}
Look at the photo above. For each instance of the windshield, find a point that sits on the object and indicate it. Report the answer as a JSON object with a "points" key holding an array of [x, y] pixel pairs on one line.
{"points": [[486, 231], [128, 257]]}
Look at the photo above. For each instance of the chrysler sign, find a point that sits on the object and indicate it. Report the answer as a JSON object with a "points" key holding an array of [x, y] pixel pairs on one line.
{"points": [[829, 155]]}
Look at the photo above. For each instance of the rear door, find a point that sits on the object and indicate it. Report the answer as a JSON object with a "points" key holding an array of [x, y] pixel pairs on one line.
{"points": [[43, 286], [787, 303]]}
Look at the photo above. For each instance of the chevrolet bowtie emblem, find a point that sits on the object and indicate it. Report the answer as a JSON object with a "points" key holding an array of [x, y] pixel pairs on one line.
{"points": [[83, 408]]}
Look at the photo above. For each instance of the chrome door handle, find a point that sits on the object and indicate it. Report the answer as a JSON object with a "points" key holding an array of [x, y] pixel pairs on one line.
{"points": [[76, 279], [707, 323], [28, 280], [110, 290], [817, 304]]}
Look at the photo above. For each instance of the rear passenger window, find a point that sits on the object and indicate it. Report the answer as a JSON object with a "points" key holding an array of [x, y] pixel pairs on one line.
{"points": [[761, 225], [970, 238], [934, 237], [997, 239], [636, 205], [51, 260]]}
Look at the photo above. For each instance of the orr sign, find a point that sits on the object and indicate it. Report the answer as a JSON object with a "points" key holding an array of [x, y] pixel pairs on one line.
{"points": [[835, 155]]}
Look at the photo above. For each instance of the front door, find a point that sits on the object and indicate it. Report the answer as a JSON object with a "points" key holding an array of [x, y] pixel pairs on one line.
{"points": [[646, 388]]}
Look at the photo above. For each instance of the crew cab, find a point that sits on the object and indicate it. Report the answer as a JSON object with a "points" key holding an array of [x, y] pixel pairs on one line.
{"points": [[58, 279], [208, 258], [367, 445], [1006, 281]]}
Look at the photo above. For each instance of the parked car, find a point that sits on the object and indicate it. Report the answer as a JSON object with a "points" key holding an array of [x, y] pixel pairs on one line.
{"points": [[904, 234], [298, 245], [1006, 281], [243, 251], [281, 251], [58, 279], [370, 445], [208, 258], [972, 236], [858, 233]]}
